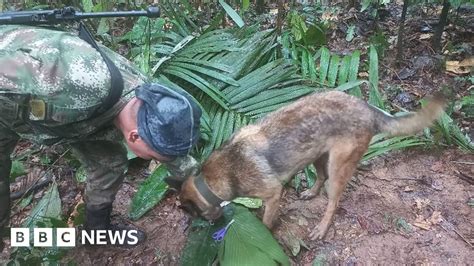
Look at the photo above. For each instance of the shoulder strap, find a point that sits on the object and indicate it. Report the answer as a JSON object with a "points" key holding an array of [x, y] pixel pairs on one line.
{"points": [[116, 82]]}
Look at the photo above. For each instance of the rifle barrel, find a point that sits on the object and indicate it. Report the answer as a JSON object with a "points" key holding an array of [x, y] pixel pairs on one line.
{"points": [[148, 13], [68, 14]]}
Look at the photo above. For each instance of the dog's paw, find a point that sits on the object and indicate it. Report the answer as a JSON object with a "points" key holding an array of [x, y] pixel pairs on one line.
{"points": [[308, 194], [319, 232]]}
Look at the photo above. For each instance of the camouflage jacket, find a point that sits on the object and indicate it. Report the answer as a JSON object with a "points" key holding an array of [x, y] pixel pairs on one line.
{"points": [[40, 65], [46, 70]]}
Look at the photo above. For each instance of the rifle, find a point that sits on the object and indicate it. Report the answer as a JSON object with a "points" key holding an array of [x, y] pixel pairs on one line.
{"points": [[67, 14]]}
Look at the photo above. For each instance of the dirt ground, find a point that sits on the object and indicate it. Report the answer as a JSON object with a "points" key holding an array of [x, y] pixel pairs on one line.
{"points": [[407, 207], [413, 206]]}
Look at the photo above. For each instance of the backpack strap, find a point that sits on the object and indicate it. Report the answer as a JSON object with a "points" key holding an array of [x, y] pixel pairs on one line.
{"points": [[116, 82]]}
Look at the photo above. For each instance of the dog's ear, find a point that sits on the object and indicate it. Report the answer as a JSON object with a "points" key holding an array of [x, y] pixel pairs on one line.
{"points": [[174, 183]]}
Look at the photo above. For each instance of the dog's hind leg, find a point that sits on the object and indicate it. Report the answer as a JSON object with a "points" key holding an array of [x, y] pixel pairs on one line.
{"points": [[272, 202], [343, 159], [321, 168]]}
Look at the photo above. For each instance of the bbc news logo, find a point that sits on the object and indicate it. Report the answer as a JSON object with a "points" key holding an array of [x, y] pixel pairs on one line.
{"points": [[66, 237]]}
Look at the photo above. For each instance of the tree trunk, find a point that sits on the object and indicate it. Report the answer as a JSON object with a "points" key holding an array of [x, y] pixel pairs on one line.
{"points": [[401, 29], [443, 19], [260, 7], [281, 15]]}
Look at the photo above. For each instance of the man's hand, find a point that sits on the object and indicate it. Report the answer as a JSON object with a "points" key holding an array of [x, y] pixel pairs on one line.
{"points": [[180, 169]]}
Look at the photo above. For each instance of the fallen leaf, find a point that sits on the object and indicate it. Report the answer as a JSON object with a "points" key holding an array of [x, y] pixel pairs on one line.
{"points": [[468, 62], [252, 203], [420, 222], [425, 36], [153, 165], [436, 217], [292, 242], [75, 214], [462, 67], [421, 203]]}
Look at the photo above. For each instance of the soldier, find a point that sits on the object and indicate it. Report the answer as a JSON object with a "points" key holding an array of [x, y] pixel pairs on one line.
{"points": [[52, 84]]}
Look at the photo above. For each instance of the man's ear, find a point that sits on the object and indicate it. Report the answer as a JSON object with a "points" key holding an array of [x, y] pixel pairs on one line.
{"points": [[133, 136], [174, 183]]}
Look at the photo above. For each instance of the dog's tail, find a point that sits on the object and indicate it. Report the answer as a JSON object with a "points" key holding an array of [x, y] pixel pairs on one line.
{"points": [[413, 122]]}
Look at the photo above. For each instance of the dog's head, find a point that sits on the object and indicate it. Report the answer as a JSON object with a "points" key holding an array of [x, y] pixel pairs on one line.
{"points": [[195, 203]]}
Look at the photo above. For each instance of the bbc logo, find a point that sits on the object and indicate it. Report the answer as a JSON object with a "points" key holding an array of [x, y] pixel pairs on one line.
{"points": [[66, 237], [43, 237]]}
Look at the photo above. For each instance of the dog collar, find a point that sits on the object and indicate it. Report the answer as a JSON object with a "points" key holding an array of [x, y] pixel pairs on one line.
{"points": [[206, 192]]}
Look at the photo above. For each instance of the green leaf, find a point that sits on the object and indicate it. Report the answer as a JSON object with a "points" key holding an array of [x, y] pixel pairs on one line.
{"points": [[471, 202], [320, 260], [350, 85], [150, 192], [374, 95], [130, 154], [259, 80], [252, 203], [223, 124], [344, 70], [88, 5], [81, 174], [200, 248], [365, 5], [48, 207], [354, 71], [379, 145], [232, 14], [333, 68], [311, 175], [236, 254], [25, 201], [207, 72], [274, 97], [249, 242], [304, 63], [80, 219], [324, 64], [103, 26], [245, 5], [315, 36], [18, 169], [197, 81], [313, 73], [350, 33]]}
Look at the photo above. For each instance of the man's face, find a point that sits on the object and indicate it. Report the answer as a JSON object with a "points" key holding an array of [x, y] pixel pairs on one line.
{"points": [[142, 150]]}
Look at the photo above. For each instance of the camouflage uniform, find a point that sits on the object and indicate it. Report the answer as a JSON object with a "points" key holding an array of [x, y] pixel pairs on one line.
{"points": [[50, 83]]}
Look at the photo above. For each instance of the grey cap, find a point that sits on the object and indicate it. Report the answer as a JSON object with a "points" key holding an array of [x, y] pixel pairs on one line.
{"points": [[168, 119]]}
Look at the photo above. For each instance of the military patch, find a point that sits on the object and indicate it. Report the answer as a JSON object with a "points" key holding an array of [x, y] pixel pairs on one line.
{"points": [[37, 110]]}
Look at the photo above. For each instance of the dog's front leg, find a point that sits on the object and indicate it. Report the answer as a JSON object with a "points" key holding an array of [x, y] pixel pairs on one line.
{"points": [[272, 202]]}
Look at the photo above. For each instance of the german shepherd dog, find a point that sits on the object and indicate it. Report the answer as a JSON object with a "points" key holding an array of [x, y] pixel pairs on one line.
{"points": [[331, 130]]}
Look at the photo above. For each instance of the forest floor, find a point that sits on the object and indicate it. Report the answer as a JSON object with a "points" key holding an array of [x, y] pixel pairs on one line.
{"points": [[413, 206]]}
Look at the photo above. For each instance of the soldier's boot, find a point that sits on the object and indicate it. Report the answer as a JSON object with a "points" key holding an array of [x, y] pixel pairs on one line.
{"points": [[99, 219], [4, 201]]}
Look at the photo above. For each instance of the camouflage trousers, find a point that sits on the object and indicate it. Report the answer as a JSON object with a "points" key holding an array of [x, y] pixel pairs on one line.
{"points": [[105, 163], [8, 142]]}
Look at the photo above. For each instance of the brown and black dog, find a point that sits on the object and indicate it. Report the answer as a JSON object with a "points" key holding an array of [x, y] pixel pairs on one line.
{"points": [[331, 130]]}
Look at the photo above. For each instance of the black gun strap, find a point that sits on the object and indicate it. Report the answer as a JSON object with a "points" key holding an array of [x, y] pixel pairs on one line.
{"points": [[116, 82]]}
